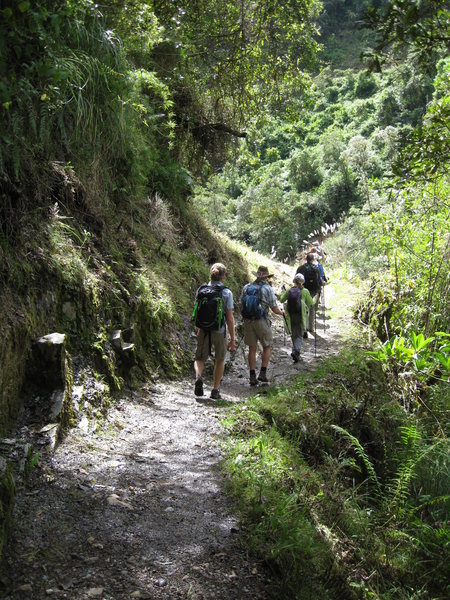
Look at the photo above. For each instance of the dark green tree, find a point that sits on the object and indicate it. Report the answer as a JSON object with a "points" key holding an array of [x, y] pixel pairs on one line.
{"points": [[422, 27]]}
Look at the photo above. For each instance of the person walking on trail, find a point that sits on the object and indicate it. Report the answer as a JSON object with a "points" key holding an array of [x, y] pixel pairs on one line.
{"points": [[256, 300], [318, 249], [213, 315], [323, 280], [313, 283], [319, 265], [299, 304]]}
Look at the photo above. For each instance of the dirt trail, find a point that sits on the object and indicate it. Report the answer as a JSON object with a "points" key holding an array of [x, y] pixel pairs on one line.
{"points": [[137, 509]]}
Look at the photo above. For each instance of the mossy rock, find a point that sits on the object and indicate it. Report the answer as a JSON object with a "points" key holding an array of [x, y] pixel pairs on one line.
{"points": [[7, 492]]}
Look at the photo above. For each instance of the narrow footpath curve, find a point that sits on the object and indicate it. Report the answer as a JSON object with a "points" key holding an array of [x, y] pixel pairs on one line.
{"points": [[138, 508]]}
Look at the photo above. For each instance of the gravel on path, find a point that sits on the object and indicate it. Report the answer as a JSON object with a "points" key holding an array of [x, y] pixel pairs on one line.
{"points": [[136, 507]]}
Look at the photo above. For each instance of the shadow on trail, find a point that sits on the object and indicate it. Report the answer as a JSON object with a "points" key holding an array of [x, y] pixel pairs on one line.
{"points": [[138, 509]]}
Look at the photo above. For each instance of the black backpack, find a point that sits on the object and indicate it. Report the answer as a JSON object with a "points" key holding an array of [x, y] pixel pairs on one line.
{"points": [[208, 309], [312, 278], [294, 301], [251, 302]]}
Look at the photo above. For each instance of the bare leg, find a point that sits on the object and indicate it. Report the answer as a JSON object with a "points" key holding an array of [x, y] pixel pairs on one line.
{"points": [[219, 368], [265, 356], [199, 365], [312, 314], [252, 357]]}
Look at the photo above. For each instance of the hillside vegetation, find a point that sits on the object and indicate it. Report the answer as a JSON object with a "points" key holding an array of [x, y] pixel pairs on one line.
{"points": [[103, 112], [344, 476], [140, 142]]}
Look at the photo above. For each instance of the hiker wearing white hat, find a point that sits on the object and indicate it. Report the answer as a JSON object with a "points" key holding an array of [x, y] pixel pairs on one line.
{"points": [[299, 303]]}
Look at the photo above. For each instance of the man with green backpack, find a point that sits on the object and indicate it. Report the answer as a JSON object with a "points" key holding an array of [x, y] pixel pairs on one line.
{"points": [[213, 312]]}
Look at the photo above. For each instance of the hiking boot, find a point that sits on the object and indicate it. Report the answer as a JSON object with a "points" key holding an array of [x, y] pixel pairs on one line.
{"points": [[295, 356], [215, 394], [263, 377], [253, 380], [305, 335], [198, 389]]}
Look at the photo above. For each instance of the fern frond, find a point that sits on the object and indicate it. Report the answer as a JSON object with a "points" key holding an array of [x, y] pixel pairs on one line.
{"points": [[362, 454], [409, 435], [399, 488], [436, 501]]}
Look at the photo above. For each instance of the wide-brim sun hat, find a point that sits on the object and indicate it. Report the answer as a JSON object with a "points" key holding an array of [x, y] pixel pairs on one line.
{"points": [[262, 272]]}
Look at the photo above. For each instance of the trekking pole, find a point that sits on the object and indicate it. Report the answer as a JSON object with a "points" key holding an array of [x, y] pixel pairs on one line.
{"points": [[315, 331], [286, 325]]}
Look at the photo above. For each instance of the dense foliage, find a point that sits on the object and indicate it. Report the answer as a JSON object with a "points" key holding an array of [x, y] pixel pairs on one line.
{"points": [[106, 114], [422, 28], [114, 84], [344, 476], [344, 479], [293, 177]]}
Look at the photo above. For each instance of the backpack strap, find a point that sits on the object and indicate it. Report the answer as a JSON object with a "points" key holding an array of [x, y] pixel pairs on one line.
{"points": [[261, 284]]}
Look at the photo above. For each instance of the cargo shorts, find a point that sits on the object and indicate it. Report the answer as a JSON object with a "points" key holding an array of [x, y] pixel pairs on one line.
{"points": [[218, 342], [257, 330]]}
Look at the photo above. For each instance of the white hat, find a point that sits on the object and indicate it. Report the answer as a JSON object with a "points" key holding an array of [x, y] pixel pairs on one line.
{"points": [[298, 277]]}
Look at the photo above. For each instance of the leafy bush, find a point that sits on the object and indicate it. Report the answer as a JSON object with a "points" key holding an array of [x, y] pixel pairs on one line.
{"points": [[304, 170], [365, 85], [388, 108], [334, 468]]}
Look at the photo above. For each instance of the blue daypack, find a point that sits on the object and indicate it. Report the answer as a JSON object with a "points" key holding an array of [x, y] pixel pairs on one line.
{"points": [[251, 302]]}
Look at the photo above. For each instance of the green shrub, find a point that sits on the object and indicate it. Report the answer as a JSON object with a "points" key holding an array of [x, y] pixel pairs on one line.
{"points": [[304, 170], [365, 85]]}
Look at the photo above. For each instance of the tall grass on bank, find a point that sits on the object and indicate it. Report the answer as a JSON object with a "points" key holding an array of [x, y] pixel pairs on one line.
{"points": [[70, 99], [345, 491]]}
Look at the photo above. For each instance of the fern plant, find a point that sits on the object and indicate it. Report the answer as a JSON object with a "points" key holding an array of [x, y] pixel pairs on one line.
{"points": [[396, 497], [362, 454]]}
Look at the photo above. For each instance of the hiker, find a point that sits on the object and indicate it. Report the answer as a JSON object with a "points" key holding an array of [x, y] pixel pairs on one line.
{"points": [[213, 312], [323, 279], [321, 270], [299, 302], [313, 283], [256, 300], [318, 249]]}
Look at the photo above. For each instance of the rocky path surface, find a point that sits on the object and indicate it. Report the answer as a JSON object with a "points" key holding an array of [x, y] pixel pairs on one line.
{"points": [[137, 507]]}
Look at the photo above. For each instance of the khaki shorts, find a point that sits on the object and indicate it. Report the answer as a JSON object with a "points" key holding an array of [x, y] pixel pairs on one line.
{"points": [[258, 330], [218, 343]]}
